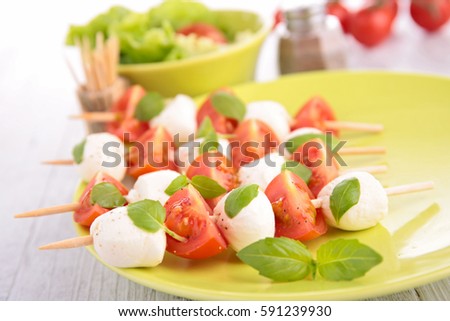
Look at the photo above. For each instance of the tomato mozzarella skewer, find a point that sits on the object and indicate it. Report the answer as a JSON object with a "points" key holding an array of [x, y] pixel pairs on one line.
{"points": [[307, 133], [357, 201], [262, 171], [100, 152], [178, 117], [119, 241], [121, 120], [273, 114], [87, 209], [317, 113], [188, 152], [247, 224], [152, 186]]}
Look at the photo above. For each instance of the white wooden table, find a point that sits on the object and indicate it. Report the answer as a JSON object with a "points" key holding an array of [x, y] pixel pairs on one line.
{"points": [[37, 95]]}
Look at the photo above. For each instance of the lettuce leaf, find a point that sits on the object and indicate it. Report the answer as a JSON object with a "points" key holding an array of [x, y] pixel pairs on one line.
{"points": [[100, 23]]}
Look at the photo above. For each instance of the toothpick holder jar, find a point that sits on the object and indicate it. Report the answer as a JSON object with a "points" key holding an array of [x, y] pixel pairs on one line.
{"points": [[100, 101]]}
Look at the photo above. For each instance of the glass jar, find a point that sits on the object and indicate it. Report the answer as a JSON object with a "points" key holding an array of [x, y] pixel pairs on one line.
{"points": [[310, 39]]}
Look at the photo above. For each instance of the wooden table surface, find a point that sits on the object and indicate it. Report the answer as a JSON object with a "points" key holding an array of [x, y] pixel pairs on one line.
{"points": [[37, 95]]}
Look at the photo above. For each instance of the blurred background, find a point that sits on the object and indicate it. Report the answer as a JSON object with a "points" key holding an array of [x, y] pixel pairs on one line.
{"points": [[37, 93]]}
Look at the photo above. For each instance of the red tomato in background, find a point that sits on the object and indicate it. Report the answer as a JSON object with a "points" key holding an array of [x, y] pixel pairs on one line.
{"points": [[188, 215], [313, 154], [314, 113], [222, 124], [295, 215], [204, 30], [373, 24], [152, 152], [87, 213], [126, 107], [217, 167], [430, 14], [337, 9], [277, 18], [247, 143]]}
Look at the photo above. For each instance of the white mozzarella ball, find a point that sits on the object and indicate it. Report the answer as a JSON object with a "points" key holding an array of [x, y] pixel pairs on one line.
{"points": [[262, 171], [371, 208], [102, 152], [151, 186], [189, 151], [120, 243], [273, 114], [254, 222], [178, 117], [300, 132]]}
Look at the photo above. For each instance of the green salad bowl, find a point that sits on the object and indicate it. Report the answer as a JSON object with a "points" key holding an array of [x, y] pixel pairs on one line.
{"points": [[226, 66]]}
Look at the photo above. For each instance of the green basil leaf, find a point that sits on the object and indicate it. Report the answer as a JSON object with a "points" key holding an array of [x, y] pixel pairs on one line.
{"points": [[107, 195], [280, 259], [177, 184], [240, 198], [207, 187], [345, 195], [78, 151], [148, 215], [342, 259], [149, 106], [298, 169], [228, 105], [297, 141], [205, 128]]}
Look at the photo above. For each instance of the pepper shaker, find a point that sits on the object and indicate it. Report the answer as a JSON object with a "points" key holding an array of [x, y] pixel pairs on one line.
{"points": [[310, 39]]}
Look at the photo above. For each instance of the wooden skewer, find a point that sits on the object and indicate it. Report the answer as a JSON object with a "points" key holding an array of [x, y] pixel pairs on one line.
{"points": [[58, 209], [396, 190], [376, 169], [97, 117], [59, 162], [364, 127], [69, 243], [363, 150], [410, 188]]}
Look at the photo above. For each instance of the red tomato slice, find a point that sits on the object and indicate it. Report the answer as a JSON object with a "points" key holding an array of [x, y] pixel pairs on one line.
{"points": [[204, 30], [152, 152], [295, 215], [217, 167], [222, 124], [252, 140], [128, 128], [313, 114], [313, 154], [87, 213], [189, 216]]}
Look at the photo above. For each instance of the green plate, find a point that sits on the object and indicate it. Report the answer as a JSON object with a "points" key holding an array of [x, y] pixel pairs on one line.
{"points": [[414, 238]]}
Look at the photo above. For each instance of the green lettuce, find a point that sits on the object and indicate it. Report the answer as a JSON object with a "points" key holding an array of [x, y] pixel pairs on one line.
{"points": [[150, 36]]}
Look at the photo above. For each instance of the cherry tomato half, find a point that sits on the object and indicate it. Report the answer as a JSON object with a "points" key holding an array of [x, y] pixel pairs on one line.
{"points": [[153, 151], [295, 215], [252, 140], [217, 167], [222, 124], [315, 155], [128, 128], [314, 113], [87, 213], [188, 215]]}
